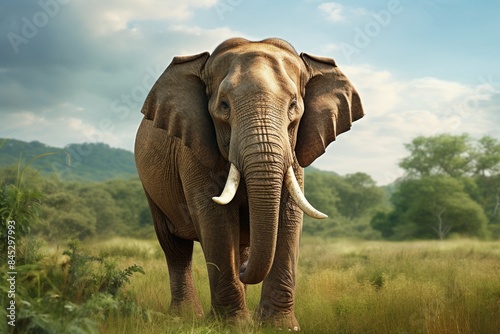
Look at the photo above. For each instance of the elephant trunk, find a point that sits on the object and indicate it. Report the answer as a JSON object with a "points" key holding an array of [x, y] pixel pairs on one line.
{"points": [[264, 182], [260, 149]]}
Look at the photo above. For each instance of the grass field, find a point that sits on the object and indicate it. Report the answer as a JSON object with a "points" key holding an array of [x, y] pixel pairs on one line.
{"points": [[343, 287]]}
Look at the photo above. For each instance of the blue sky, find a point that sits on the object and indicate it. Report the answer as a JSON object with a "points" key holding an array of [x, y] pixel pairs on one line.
{"points": [[78, 71]]}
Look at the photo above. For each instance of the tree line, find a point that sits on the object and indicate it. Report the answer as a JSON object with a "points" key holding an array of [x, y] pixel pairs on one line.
{"points": [[349, 201], [80, 210], [451, 187]]}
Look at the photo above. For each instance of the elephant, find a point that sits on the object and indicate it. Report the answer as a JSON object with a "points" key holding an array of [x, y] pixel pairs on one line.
{"points": [[220, 153]]}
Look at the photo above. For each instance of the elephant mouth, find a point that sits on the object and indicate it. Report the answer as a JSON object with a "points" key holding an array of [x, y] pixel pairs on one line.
{"points": [[291, 184]]}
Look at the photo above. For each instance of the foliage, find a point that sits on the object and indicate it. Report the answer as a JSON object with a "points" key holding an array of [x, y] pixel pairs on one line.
{"points": [[489, 197], [69, 294], [19, 206], [358, 195], [105, 209], [438, 155], [79, 210], [86, 279], [455, 156], [432, 207], [487, 157], [348, 201], [51, 296], [451, 186]]}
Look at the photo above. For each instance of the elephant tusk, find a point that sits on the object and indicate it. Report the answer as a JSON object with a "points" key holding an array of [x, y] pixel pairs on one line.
{"points": [[232, 183], [294, 189]]}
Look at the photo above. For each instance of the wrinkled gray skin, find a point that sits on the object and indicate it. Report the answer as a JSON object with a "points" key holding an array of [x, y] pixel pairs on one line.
{"points": [[263, 108]]}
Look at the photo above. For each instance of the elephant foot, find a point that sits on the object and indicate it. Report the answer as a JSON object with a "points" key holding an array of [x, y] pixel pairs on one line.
{"points": [[239, 316], [281, 321], [239, 322], [186, 309]]}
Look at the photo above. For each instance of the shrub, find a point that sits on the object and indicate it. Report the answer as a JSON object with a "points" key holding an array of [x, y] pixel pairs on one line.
{"points": [[69, 296]]}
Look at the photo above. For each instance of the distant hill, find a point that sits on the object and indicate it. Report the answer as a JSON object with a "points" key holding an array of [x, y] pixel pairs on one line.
{"points": [[312, 169], [74, 162]]}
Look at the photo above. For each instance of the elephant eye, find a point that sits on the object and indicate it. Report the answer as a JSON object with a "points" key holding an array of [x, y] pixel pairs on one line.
{"points": [[293, 104], [222, 109], [293, 109], [224, 105]]}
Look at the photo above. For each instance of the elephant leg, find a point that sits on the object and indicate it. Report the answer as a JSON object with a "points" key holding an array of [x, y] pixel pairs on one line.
{"points": [[227, 292], [220, 243], [277, 302], [178, 253], [218, 231]]}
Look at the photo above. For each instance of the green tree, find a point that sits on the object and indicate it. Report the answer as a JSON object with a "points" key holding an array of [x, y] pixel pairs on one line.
{"points": [[107, 213], [489, 188], [131, 202], [487, 178], [66, 216], [347, 201], [487, 157], [358, 195], [385, 222], [434, 207], [442, 154], [320, 190], [452, 185]]}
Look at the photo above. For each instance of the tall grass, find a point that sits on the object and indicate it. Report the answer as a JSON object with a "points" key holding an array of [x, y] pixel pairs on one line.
{"points": [[343, 287], [416, 287]]}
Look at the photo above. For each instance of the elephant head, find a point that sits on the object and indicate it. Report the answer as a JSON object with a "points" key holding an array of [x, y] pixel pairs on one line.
{"points": [[260, 106]]}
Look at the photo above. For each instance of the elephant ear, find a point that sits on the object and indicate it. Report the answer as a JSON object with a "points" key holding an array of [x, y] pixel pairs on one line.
{"points": [[178, 104], [331, 104]]}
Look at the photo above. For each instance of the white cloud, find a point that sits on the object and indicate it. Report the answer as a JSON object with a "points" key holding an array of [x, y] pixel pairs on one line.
{"points": [[197, 31], [77, 125], [115, 15], [332, 11], [336, 12]]}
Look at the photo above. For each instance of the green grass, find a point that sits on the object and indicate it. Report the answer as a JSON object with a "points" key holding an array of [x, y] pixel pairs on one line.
{"points": [[343, 287]]}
